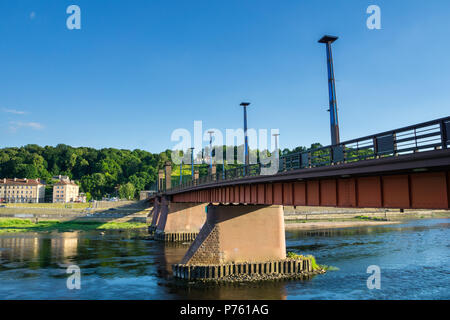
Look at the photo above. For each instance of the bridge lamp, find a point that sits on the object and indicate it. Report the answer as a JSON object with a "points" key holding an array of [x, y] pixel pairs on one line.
{"points": [[334, 123], [276, 135], [192, 162], [210, 148], [246, 157], [181, 172]]}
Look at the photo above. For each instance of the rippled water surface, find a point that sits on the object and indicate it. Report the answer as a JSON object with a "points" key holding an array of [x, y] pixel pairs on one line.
{"points": [[414, 258]]}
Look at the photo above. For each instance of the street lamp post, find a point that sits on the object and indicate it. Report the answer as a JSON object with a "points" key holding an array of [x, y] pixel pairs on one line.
{"points": [[210, 148], [181, 172], [277, 152], [223, 169], [192, 163], [246, 156], [334, 123], [276, 135]]}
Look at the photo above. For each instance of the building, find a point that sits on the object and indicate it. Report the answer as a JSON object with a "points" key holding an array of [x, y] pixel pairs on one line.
{"points": [[145, 194], [60, 177], [65, 191], [22, 190], [81, 198]]}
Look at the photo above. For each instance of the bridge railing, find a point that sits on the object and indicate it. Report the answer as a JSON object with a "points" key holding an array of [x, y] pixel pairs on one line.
{"points": [[229, 174], [421, 137], [426, 136]]}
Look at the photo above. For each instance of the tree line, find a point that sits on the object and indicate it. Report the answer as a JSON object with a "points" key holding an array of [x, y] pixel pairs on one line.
{"points": [[98, 172]]}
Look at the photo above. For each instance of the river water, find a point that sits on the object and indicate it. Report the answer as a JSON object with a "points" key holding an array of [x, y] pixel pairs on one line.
{"points": [[413, 257]]}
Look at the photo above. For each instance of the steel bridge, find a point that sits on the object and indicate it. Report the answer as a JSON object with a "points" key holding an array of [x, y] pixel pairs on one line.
{"points": [[402, 168]]}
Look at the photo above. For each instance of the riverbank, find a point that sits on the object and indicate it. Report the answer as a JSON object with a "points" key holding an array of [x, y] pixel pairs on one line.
{"points": [[9, 225], [334, 224], [357, 218], [133, 211]]}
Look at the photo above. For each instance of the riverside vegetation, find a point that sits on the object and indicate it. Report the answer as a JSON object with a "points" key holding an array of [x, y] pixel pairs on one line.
{"points": [[8, 225], [315, 266]]}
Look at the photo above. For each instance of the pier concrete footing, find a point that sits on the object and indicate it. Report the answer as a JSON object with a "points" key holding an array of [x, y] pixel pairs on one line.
{"points": [[241, 242], [271, 270], [155, 215], [237, 234], [174, 236], [177, 221]]}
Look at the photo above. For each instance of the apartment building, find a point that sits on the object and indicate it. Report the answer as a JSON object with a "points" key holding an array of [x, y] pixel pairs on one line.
{"points": [[22, 190], [65, 190]]}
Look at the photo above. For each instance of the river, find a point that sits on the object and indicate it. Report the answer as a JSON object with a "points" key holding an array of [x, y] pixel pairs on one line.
{"points": [[413, 257]]}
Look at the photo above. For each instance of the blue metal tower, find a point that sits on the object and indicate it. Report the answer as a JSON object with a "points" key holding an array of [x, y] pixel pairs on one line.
{"points": [[334, 123]]}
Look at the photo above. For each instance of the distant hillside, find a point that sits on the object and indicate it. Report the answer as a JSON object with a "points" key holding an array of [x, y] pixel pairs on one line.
{"points": [[98, 171]]}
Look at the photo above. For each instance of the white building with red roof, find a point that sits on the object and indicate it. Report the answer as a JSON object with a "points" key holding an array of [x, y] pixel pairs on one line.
{"points": [[22, 190]]}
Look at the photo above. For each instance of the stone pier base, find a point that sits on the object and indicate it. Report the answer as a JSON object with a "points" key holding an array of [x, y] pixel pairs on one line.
{"points": [[281, 269], [242, 243], [177, 221], [155, 216], [151, 229], [175, 236], [238, 234]]}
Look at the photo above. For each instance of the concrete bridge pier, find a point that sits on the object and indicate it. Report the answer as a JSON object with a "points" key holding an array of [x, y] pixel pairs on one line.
{"points": [[155, 215], [239, 240], [179, 221]]}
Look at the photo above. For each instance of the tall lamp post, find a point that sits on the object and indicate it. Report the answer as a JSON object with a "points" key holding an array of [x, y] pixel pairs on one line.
{"points": [[223, 168], [334, 123], [192, 162], [277, 152], [246, 157], [210, 148], [181, 172], [276, 135]]}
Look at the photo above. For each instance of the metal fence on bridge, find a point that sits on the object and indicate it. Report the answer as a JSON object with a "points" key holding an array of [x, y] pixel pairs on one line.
{"points": [[421, 137]]}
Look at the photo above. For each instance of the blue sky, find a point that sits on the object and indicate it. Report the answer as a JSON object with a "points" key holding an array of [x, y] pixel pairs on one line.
{"points": [[137, 70]]}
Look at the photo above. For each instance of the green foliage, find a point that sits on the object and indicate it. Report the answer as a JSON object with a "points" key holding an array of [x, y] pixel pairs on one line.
{"points": [[8, 225], [329, 268], [370, 218], [315, 265], [293, 255], [99, 172], [127, 191]]}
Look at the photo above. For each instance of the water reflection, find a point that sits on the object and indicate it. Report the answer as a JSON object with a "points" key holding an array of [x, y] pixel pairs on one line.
{"points": [[414, 258]]}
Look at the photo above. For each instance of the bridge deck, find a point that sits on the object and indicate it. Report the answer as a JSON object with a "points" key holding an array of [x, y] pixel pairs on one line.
{"points": [[419, 181], [431, 160]]}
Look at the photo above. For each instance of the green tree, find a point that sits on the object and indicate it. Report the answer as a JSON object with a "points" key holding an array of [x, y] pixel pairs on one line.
{"points": [[127, 191]]}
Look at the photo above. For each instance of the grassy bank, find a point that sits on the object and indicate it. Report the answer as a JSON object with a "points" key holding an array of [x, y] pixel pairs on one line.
{"points": [[48, 205], [8, 225], [366, 218], [315, 266]]}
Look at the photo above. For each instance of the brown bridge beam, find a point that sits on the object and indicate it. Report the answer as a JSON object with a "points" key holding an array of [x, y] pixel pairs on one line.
{"points": [[425, 190]]}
